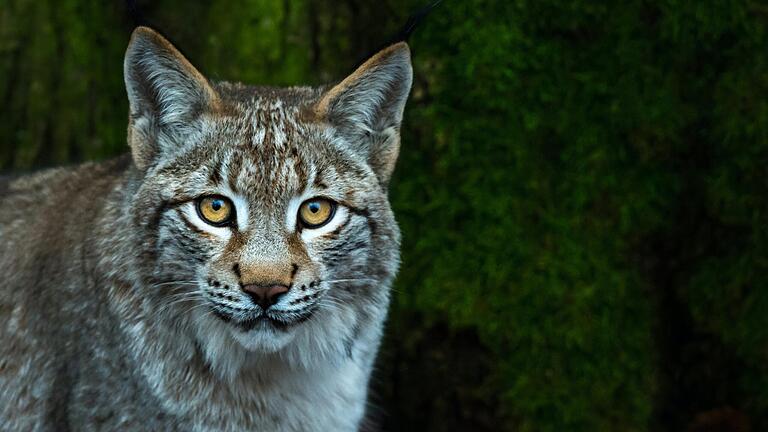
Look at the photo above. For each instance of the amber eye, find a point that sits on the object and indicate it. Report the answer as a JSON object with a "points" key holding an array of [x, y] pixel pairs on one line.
{"points": [[216, 210], [316, 212]]}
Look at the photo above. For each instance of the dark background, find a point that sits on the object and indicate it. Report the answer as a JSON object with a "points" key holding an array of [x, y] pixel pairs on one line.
{"points": [[582, 189]]}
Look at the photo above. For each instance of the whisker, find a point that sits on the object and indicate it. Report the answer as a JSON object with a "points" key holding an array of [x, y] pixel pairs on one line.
{"points": [[197, 306], [181, 283], [331, 304], [191, 296], [350, 280], [180, 297]]}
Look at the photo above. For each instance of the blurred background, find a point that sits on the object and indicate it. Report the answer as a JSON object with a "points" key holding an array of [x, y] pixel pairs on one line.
{"points": [[583, 189]]}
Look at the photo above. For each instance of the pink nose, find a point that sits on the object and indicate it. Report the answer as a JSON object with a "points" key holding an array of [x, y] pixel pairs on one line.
{"points": [[265, 295]]}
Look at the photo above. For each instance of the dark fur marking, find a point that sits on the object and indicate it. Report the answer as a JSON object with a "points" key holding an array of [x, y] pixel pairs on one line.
{"points": [[154, 221], [61, 396], [343, 245], [364, 212], [235, 165], [333, 235], [348, 343], [188, 244], [222, 316], [215, 175], [191, 226], [301, 173], [318, 180], [192, 253]]}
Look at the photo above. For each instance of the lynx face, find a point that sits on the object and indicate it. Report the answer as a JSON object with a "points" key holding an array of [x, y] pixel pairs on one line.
{"points": [[264, 212]]}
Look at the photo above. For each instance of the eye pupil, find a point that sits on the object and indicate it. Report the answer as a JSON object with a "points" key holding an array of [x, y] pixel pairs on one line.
{"points": [[316, 212], [217, 211]]}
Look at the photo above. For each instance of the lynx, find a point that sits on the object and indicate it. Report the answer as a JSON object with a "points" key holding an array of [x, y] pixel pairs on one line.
{"points": [[231, 273]]}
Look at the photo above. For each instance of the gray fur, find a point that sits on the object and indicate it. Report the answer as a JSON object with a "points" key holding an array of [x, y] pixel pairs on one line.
{"points": [[123, 311]]}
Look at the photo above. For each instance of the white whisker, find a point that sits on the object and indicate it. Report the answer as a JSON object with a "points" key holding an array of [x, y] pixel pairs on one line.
{"points": [[350, 280]]}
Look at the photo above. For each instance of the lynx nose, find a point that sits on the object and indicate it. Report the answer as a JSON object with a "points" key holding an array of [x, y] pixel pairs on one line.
{"points": [[265, 295]]}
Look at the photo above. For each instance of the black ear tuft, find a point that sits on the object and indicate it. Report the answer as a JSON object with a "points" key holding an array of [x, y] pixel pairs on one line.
{"points": [[414, 21]]}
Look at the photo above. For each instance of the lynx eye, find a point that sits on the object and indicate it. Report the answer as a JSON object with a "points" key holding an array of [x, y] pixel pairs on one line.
{"points": [[316, 212], [215, 209]]}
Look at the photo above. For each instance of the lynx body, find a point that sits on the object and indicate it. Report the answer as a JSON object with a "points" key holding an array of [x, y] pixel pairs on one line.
{"points": [[232, 273]]}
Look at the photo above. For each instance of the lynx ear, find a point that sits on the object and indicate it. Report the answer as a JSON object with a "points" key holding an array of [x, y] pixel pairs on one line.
{"points": [[165, 92], [367, 107]]}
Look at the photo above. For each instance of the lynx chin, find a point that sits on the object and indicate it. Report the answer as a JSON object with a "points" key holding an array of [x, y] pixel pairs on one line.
{"points": [[232, 273]]}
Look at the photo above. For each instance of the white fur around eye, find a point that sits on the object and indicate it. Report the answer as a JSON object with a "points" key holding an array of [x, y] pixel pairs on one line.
{"points": [[241, 209], [339, 217], [189, 211], [293, 212]]}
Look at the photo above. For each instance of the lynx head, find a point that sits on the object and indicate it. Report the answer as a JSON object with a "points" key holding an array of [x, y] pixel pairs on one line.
{"points": [[263, 212]]}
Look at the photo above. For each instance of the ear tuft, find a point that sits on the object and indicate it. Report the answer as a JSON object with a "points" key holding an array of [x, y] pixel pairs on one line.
{"points": [[165, 93], [367, 107]]}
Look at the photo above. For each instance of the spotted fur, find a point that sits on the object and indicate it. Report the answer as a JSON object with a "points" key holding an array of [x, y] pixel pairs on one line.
{"points": [[124, 310]]}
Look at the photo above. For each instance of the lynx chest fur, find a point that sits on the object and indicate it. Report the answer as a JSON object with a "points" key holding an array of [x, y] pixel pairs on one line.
{"points": [[232, 273]]}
